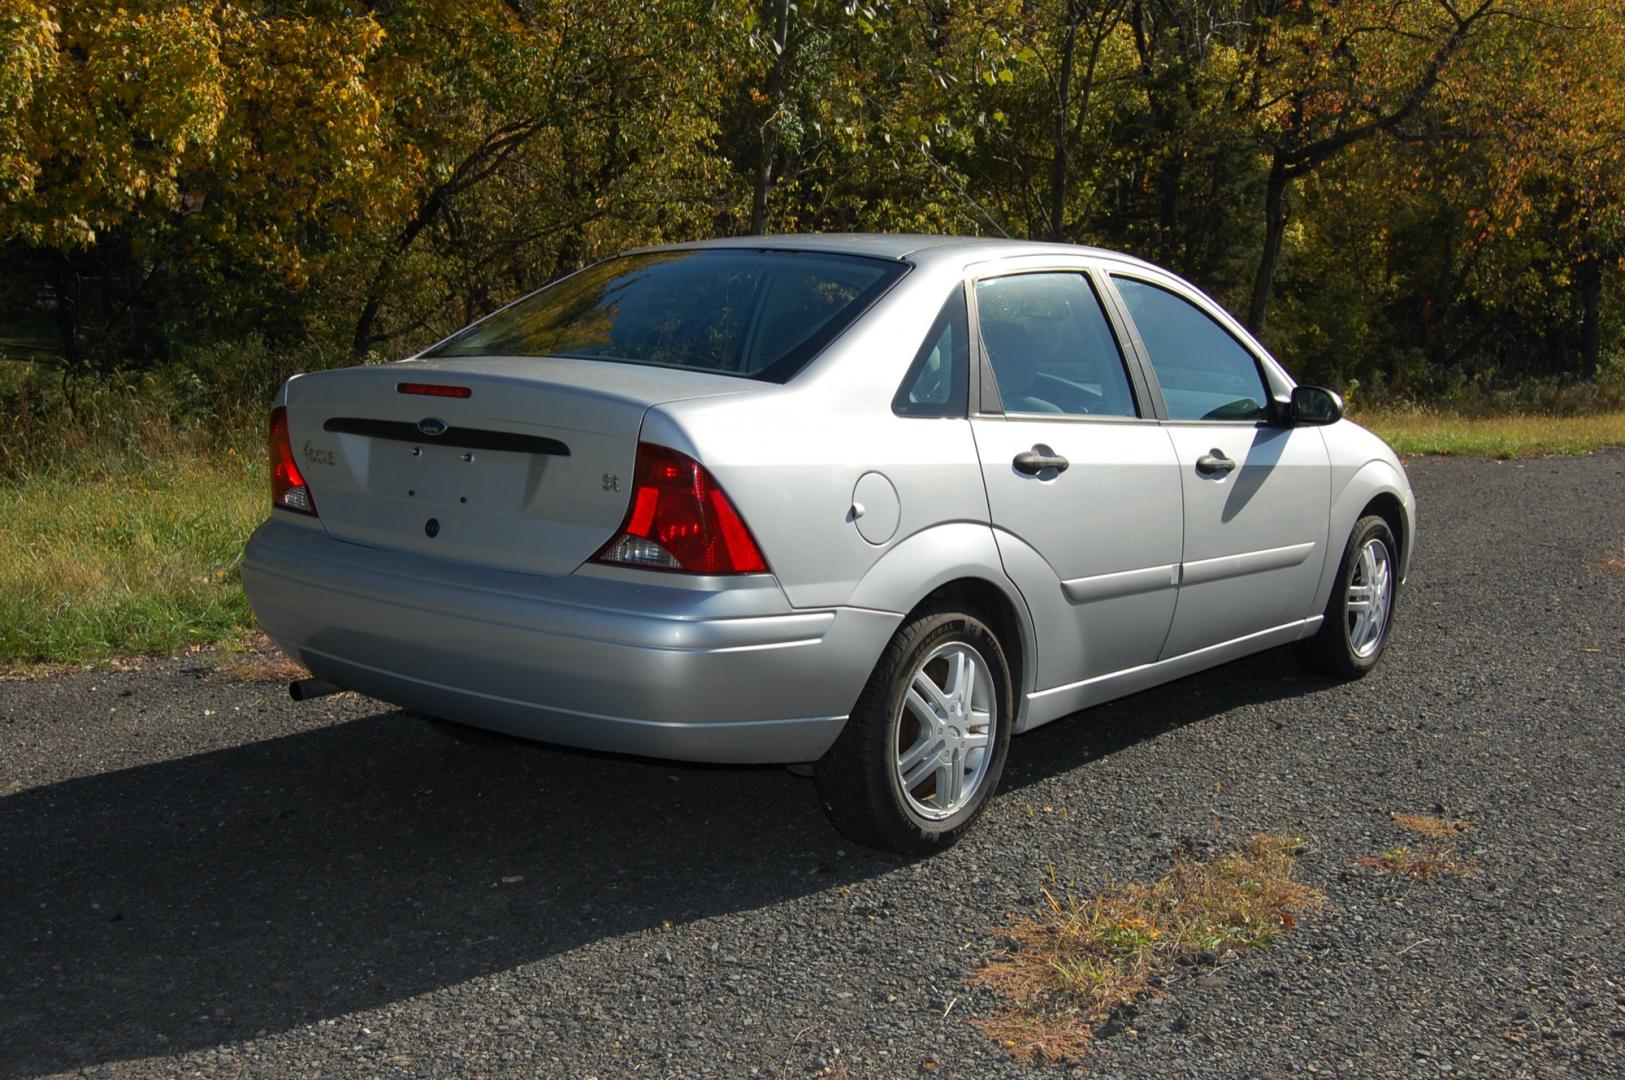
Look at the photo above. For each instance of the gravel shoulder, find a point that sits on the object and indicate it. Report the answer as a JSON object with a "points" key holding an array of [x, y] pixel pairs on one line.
{"points": [[199, 877]]}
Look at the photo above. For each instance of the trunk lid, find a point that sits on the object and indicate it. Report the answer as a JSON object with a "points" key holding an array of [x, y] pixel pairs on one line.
{"points": [[531, 472]]}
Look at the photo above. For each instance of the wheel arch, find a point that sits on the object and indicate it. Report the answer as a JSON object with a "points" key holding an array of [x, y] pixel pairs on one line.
{"points": [[1377, 487], [1386, 505], [980, 597], [957, 563]]}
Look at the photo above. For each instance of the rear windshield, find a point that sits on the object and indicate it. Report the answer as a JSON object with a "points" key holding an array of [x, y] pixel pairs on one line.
{"points": [[760, 314]]}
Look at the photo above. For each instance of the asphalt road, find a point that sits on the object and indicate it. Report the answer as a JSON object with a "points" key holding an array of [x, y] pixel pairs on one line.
{"points": [[199, 877]]}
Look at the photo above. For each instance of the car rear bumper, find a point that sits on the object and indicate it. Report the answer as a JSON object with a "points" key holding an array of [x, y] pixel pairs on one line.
{"points": [[731, 674]]}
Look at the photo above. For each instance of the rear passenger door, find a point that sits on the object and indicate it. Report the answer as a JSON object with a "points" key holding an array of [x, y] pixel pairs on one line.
{"points": [[1256, 495], [1082, 483]]}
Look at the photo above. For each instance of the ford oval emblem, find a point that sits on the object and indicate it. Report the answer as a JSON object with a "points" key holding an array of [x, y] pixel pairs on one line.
{"points": [[432, 425]]}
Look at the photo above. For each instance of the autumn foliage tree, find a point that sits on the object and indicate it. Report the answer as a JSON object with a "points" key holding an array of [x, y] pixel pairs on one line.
{"points": [[1554, 117], [1411, 195]]}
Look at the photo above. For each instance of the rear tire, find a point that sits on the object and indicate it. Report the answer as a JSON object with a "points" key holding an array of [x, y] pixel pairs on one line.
{"points": [[1360, 611], [924, 749]]}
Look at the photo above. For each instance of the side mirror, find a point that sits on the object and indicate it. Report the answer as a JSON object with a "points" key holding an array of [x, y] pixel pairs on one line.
{"points": [[1315, 405]]}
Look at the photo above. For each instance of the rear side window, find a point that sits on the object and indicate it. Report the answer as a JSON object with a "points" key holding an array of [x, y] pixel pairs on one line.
{"points": [[1050, 347], [760, 314], [937, 380], [1205, 373]]}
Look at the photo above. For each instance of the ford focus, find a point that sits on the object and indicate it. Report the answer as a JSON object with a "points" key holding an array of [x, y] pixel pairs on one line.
{"points": [[877, 503]]}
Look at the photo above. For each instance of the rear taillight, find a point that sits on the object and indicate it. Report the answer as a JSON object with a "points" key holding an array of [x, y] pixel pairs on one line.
{"points": [[288, 489], [679, 519]]}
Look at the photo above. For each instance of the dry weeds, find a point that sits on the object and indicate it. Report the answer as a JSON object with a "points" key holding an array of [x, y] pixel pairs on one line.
{"points": [[1432, 825], [1065, 971], [259, 661], [1420, 863], [1436, 856]]}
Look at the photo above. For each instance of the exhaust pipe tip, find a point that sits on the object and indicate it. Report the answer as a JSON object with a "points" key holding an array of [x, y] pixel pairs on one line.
{"points": [[305, 689]]}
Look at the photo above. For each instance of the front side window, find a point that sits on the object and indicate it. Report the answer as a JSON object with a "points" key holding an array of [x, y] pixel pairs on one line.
{"points": [[1051, 350], [760, 314], [1205, 373]]}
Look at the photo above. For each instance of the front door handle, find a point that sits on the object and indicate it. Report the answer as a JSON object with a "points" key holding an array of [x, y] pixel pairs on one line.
{"points": [[1034, 461], [1214, 463]]}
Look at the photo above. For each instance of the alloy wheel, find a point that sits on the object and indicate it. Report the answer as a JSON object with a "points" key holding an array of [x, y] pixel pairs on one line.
{"points": [[1370, 597], [944, 730]]}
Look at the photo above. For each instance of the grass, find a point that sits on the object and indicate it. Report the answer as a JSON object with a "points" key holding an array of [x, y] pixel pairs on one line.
{"points": [[1065, 971], [1425, 432], [123, 554]]}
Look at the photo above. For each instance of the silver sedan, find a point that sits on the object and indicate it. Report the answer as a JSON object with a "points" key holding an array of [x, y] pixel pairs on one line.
{"points": [[874, 502]]}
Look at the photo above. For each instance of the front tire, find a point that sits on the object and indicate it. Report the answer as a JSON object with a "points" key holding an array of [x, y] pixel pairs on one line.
{"points": [[1360, 611], [924, 749]]}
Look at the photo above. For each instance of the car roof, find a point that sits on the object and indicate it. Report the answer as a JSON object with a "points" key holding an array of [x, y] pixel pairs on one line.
{"points": [[905, 247]]}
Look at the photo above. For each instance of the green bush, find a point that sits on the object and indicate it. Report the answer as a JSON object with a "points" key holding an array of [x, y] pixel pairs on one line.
{"points": [[1488, 393], [207, 399]]}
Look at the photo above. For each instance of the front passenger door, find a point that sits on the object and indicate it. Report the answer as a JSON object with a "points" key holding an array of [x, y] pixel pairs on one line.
{"points": [[1256, 496]]}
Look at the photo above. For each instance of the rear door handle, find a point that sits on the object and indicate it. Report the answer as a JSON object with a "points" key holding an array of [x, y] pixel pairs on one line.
{"points": [[1034, 461], [1214, 463]]}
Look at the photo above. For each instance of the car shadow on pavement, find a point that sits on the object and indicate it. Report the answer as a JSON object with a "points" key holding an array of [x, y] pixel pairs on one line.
{"points": [[1106, 729], [201, 901]]}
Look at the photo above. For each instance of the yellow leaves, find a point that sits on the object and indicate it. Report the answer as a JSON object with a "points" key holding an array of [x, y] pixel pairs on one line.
{"points": [[27, 39], [255, 124], [27, 57], [1549, 94], [117, 100]]}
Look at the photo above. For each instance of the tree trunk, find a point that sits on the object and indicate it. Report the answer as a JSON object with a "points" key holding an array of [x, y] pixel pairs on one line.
{"points": [[473, 170], [1057, 194], [1274, 233], [764, 183], [69, 294], [69, 297], [1060, 158], [365, 336], [768, 141], [1288, 165], [1590, 273]]}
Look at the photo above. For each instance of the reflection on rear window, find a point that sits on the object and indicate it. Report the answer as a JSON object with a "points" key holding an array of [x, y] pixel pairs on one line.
{"points": [[761, 314]]}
